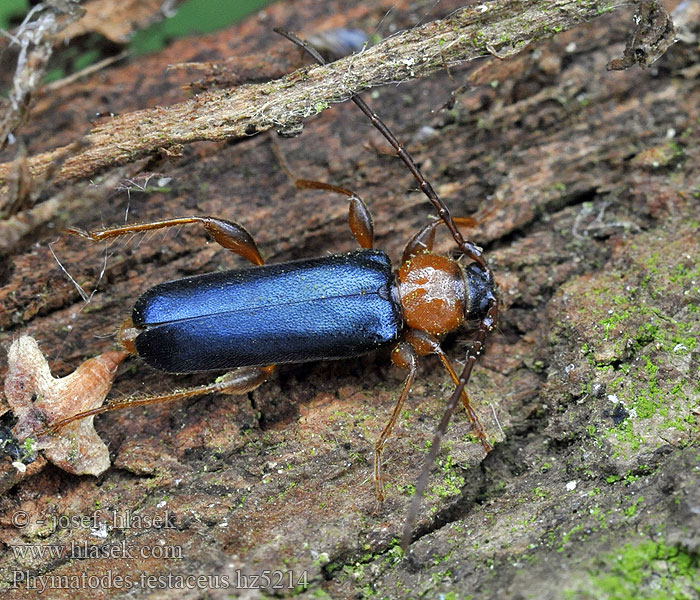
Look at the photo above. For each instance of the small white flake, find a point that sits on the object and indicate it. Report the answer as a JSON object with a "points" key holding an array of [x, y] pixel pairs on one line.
{"points": [[100, 532]]}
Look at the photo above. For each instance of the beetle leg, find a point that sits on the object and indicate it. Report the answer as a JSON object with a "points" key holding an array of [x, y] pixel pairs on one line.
{"points": [[471, 415], [421, 242], [238, 381], [404, 357], [426, 344], [229, 234], [359, 217], [487, 324], [425, 238]]}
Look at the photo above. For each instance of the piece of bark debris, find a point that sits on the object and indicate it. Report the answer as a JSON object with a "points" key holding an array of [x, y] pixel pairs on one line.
{"points": [[38, 399], [653, 35]]}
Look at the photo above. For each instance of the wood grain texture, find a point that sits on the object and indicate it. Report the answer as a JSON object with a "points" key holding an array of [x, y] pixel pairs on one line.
{"points": [[584, 183]]}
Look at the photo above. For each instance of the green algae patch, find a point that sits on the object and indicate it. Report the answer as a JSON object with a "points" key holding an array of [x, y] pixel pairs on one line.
{"points": [[644, 571], [637, 329]]}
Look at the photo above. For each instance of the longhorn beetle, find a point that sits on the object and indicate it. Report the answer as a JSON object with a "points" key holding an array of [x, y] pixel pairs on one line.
{"points": [[247, 321]]}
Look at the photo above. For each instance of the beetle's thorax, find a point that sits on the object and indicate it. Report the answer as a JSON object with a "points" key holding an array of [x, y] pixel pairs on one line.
{"points": [[432, 293]]}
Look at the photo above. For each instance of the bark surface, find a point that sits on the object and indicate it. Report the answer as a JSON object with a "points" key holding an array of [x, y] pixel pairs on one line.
{"points": [[585, 184]]}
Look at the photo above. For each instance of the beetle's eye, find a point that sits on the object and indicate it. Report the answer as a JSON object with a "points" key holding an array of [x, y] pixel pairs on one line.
{"points": [[480, 292]]}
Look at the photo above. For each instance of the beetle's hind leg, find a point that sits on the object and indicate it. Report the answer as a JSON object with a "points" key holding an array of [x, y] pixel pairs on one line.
{"points": [[238, 381], [228, 234]]}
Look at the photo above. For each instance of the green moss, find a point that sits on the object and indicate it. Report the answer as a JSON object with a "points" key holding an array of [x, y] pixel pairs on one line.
{"points": [[565, 538], [631, 510], [539, 492], [648, 570], [452, 480], [625, 433], [644, 325]]}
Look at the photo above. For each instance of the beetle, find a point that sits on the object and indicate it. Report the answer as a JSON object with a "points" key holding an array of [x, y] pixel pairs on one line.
{"points": [[246, 321]]}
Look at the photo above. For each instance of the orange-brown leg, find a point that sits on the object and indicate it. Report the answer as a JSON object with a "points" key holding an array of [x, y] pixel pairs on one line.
{"points": [[229, 234], [404, 357], [359, 218], [471, 415], [425, 238], [426, 344], [238, 381]]}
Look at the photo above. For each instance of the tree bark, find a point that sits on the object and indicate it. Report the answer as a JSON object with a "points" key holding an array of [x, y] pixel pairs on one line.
{"points": [[584, 183]]}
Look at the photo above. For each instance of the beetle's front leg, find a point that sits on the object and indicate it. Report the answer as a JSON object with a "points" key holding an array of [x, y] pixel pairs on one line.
{"points": [[424, 240], [424, 344], [228, 234], [403, 356]]}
